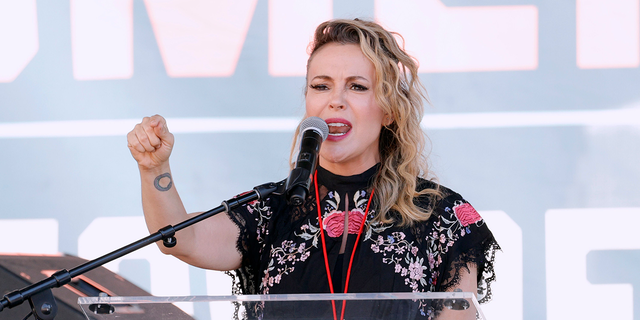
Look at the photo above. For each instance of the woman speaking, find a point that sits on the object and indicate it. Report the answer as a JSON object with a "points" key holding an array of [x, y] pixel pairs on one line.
{"points": [[373, 221]]}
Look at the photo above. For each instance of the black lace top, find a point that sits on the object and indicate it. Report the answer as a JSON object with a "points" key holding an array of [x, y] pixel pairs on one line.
{"points": [[282, 250]]}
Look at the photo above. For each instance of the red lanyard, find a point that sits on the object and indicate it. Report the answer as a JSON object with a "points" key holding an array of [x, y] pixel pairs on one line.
{"points": [[324, 247]]}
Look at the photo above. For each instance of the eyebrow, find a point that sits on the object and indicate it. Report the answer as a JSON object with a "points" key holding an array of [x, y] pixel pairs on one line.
{"points": [[351, 78]]}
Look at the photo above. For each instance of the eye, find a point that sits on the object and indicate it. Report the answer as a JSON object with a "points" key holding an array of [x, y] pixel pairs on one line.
{"points": [[358, 87], [319, 87]]}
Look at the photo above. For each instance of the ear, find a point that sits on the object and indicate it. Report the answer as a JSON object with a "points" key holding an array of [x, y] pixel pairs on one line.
{"points": [[387, 120]]}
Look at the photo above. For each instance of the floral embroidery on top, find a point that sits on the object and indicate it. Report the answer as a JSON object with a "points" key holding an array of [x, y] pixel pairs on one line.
{"points": [[333, 221], [466, 214], [409, 261], [284, 257], [448, 231], [262, 214], [397, 251], [405, 258], [277, 242]]}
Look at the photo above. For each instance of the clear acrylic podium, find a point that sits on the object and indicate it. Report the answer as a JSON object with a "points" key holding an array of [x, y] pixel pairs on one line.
{"points": [[381, 306]]}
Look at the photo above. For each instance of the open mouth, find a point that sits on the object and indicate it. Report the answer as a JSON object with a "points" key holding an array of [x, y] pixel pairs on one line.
{"points": [[337, 129]]}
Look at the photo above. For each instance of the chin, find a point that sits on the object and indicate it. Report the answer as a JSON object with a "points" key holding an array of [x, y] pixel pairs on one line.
{"points": [[332, 157], [333, 160]]}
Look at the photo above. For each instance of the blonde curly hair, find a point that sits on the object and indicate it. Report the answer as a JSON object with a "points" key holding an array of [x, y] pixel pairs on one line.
{"points": [[400, 94]]}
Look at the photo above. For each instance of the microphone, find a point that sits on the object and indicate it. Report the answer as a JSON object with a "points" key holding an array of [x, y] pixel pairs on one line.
{"points": [[313, 132]]}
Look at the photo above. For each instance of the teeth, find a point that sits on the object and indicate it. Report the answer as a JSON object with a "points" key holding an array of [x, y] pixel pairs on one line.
{"points": [[338, 129]]}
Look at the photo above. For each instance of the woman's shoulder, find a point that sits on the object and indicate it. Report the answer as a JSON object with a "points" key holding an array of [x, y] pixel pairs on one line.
{"points": [[428, 184], [437, 197], [450, 215], [457, 232]]}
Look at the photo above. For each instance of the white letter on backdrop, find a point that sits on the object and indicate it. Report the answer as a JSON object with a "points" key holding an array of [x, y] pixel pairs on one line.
{"points": [[102, 39], [18, 37], [291, 27], [570, 235], [608, 33], [462, 39], [507, 290], [169, 276], [219, 284], [30, 236]]}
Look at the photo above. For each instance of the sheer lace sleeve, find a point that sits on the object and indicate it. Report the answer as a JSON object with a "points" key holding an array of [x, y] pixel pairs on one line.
{"points": [[467, 241], [253, 222]]}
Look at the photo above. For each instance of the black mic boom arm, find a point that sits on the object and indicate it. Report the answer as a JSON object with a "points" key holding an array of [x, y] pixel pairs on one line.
{"points": [[39, 294]]}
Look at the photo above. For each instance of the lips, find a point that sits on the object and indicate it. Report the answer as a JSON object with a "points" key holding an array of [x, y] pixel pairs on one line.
{"points": [[338, 128]]}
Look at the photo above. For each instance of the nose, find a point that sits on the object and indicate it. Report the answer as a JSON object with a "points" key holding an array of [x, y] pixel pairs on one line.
{"points": [[338, 100]]}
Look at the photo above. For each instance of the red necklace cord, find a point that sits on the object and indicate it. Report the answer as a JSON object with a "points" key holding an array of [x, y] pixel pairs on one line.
{"points": [[324, 247], [346, 284]]}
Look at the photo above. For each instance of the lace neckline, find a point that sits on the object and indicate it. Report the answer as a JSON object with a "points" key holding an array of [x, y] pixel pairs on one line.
{"points": [[337, 182]]}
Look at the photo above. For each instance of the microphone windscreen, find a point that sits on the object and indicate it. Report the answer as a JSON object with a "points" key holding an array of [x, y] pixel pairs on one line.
{"points": [[316, 124]]}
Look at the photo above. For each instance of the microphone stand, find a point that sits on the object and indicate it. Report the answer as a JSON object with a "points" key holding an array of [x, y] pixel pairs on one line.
{"points": [[43, 304]]}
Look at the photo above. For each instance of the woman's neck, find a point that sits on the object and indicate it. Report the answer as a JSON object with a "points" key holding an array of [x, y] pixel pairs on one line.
{"points": [[347, 169]]}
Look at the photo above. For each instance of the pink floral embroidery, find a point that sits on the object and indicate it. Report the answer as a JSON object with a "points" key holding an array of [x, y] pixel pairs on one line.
{"points": [[282, 262], [466, 214], [285, 257], [415, 270], [403, 255], [334, 222], [355, 220], [432, 261]]}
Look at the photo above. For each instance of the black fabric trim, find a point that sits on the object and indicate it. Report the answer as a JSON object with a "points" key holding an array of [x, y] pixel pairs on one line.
{"points": [[483, 257], [242, 240]]}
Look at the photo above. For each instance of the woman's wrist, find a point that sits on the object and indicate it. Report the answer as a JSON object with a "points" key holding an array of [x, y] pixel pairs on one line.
{"points": [[154, 171]]}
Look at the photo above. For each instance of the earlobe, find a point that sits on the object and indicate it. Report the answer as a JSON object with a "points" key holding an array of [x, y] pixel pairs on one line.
{"points": [[388, 120]]}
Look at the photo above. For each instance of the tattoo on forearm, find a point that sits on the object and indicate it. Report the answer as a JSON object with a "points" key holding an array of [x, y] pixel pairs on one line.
{"points": [[156, 182]]}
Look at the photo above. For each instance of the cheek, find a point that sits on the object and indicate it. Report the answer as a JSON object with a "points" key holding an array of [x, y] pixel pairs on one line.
{"points": [[375, 124], [370, 126], [373, 133], [374, 115]]}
